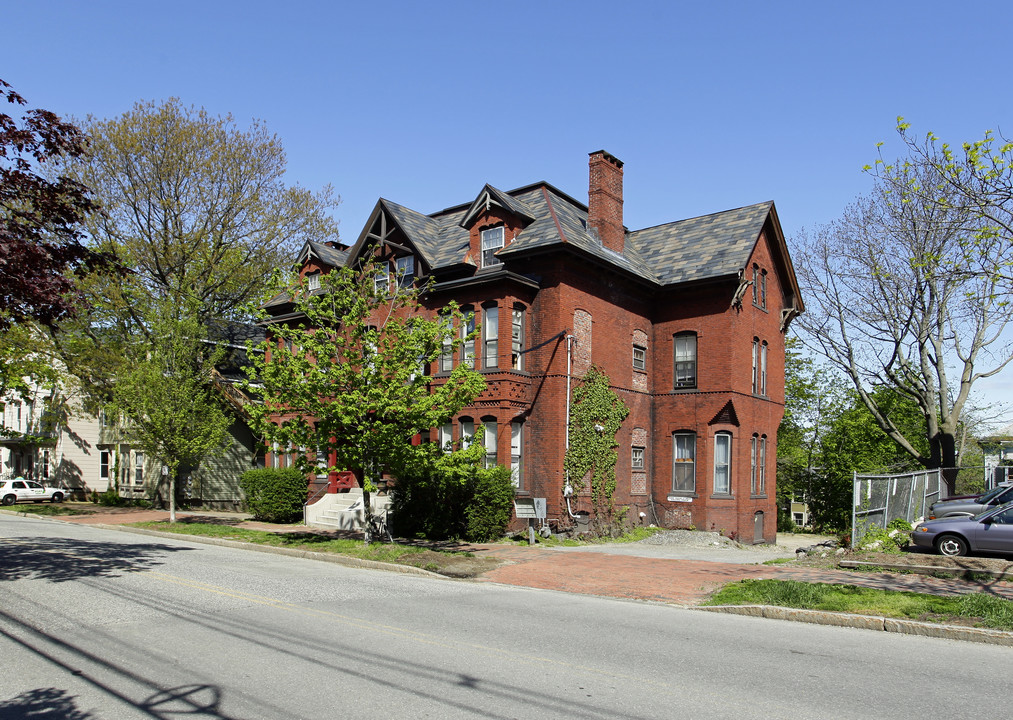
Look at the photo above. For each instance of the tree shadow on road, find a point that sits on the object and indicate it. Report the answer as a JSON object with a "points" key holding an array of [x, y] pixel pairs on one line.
{"points": [[42, 703], [62, 559]]}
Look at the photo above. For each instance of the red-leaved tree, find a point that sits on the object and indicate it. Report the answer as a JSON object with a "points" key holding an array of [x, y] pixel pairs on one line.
{"points": [[40, 216]]}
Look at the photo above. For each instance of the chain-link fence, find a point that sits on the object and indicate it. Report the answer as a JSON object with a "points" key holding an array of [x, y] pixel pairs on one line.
{"points": [[878, 499]]}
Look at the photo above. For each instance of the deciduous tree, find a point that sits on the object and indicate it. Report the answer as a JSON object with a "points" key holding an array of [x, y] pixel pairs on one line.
{"points": [[348, 378], [907, 291], [41, 215], [166, 394]]}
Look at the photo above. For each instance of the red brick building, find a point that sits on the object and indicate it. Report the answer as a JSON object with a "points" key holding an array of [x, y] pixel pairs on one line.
{"points": [[687, 319]]}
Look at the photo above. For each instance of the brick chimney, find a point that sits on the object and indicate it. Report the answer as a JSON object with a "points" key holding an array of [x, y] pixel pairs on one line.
{"points": [[605, 199]]}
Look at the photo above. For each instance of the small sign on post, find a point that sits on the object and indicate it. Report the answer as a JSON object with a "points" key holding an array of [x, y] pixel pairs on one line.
{"points": [[530, 509]]}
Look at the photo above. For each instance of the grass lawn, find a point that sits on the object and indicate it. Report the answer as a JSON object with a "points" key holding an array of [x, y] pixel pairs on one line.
{"points": [[452, 564], [52, 508], [977, 610]]}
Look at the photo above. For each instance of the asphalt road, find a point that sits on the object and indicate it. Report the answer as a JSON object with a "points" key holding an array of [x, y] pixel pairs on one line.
{"points": [[102, 624]]}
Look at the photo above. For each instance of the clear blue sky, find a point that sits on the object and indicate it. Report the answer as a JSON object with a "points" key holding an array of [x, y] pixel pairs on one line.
{"points": [[710, 105]]}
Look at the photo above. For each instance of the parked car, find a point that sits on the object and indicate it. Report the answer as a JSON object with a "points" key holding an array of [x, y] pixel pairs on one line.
{"points": [[988, 532], [21, 490], [967, 507]]}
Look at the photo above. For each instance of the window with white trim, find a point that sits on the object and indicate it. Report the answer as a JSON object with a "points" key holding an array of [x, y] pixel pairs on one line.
{"points": [[754, 443], [467, 432], [405, 269], [639, 358], [763, 368], [492, 240], [684, 462], [467, 338], [381, 279], [723, 464], [490, 441], [756, 365], [446, 437], [761, 483], [104, 465], [637, 458], [490, 336], [517, 339], [313, 281], [447, 355], [517, 454], [685, 360], [138, 468]]}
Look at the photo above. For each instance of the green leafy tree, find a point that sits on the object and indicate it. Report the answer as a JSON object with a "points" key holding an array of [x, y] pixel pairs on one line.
{"points": [[349, 378], [196, 209], [909, 290], [166, 394], [596, 414]]}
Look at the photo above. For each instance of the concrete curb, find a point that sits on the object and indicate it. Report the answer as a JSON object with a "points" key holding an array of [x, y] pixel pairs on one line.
{"points": [[867, 622], [290, 552]]}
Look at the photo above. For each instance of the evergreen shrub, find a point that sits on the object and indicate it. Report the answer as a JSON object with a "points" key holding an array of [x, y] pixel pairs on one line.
{"points": [[275, 494]]}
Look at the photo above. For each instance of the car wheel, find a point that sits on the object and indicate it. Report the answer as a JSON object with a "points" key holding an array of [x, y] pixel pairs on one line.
{"points": [[9, 499], [951, 545], [57, 497]]}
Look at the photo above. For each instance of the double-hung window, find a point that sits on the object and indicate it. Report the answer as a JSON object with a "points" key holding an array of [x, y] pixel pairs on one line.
{"points": [[517, 339], [492, 240], [639, 358], [763, 368], [405, 269], [313, 281], [446, 437], [722, 464], [467, 338], [684, 463], [447, 353], [685, 360], [490, 442], [517, 453], [138, 468], [381, 280], [490, 337]]}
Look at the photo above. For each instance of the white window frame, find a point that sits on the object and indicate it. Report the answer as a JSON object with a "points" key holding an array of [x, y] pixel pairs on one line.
{"points": [[381, 279], [445, 437], [753, 476], [640, 358], [761, 486], [685, 360], [517, 454], [404, 268], [723, 463], [490, 336], [490, 440], [313, 281], [468, 345], [637, 455], [467, 432], [685, 458], [517, 338], [105, 467], [138, 468], [492, 239], [763, 368]]}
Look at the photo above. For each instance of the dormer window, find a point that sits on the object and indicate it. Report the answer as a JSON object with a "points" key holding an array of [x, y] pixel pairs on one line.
{"points": [[381, 280], [405, 268], [492, 240]]}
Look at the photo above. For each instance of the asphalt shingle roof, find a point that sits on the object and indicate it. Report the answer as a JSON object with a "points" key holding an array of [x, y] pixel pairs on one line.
{"points": [[699, 248]]}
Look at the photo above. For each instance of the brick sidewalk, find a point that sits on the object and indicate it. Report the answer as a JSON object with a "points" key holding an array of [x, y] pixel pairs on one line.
{"points": [[683, 582]]}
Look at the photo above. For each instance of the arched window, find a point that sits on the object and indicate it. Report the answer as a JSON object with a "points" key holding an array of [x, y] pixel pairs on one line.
{"points": [[468, 341], [467, 426], [517, 454], [723, 463], [489, 423]]}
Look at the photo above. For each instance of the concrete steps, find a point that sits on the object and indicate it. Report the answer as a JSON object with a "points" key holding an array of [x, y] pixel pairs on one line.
{"points": [[344, 511]]}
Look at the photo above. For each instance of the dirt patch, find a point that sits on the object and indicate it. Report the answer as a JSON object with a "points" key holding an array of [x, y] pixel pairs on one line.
{"points": [[455, 566]]}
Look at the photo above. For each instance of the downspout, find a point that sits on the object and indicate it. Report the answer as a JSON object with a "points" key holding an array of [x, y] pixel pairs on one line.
{"points": [[567, 488]]}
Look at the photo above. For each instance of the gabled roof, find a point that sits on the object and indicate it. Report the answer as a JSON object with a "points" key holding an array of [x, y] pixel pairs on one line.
{"points": [[325, 253], [491, 196], [702, 248]]}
